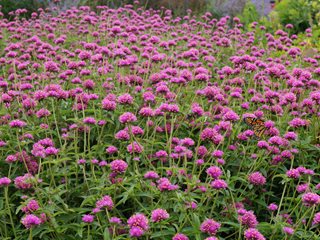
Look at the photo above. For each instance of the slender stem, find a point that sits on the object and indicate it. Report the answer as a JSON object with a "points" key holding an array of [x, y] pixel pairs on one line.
{"points": [[9, 210]]}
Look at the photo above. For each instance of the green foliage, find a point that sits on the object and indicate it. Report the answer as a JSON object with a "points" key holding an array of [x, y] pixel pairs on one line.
{"points": [[301, 13], [12, 5], [249, 14]]}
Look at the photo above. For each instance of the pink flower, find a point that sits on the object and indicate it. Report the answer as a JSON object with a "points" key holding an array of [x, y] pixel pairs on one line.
{"points": [[180, 236], [88, 218], [257, 179], [310, 199], [4, 181], [210, 226], [118, 166], [134, 148], [106, 202], [253, 234], [158, 215], [214, 172], [31, 206], [127, 117], [30, 221], [138, 224], [17, 124]]}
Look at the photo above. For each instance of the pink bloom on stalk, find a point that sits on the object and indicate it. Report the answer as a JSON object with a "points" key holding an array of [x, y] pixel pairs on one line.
{"points": [[134, 148], [4, 181], [88, 218], [164, 184], [159, 214], [151, 175], [257, 179], [310, 199], [118, 166], [316, 219], [273, 207], [219, 184], [253, 234], [138, 224], [17, 124], [247, 218], [214, 172], [31, 206], [210, 226], [30, 220], [106, 202], [127, 117], [24, 182], [180, 236], [288, 230]]}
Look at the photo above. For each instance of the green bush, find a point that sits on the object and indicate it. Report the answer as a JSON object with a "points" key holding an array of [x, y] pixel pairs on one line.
{"points": [[301, 13]]}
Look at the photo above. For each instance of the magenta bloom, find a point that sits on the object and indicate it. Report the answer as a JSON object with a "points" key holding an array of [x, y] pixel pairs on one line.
{"points": [[159, 214], [273, 207], [310, 199], [127, 117], [316, 219], [88, 218], [134, 148], [118, 166], [288, 230], [165, 184], [31, 206], [138, 224], [17, 124], [30, 220], [219, 184], [4, 181], [257, 179], [253, 234], [106, 202], [24, 182], [180, 236], [214, 171], [210, 226], [247, 218]]}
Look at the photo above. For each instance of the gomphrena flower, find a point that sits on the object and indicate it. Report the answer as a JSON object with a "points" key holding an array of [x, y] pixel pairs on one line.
{"points": [[30, 220], [253, 234], [214, 172], [165, 184], [135, 147], [138, 224], [257, 179], [310, 199], [31, 206], [151, 175], [24, 182], [88, 218], [316, 219], [159, 214], [211, 238], [180, 236], [4, 181], [288, 230], [17, 124], [106, 202], [247, 218], [273, 207], [219, 184], [118, 166], [210, 226], [127, 117]]}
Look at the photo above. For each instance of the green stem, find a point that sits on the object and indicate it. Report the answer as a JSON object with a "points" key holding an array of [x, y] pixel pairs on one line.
{"points": [[9, 210]]}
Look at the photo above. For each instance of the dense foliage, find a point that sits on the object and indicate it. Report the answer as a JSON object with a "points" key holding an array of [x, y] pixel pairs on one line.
{"points": [[131, 123]]}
